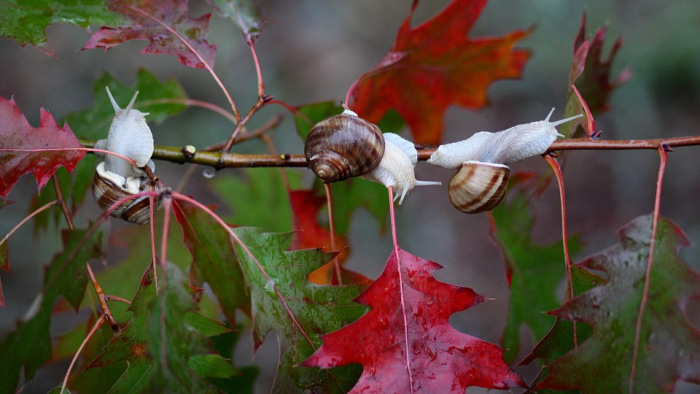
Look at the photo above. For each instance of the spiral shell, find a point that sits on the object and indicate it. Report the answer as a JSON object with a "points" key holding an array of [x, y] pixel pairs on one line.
{"points": [[107, 191], [343, 146], [478, 186], [116, 178]]}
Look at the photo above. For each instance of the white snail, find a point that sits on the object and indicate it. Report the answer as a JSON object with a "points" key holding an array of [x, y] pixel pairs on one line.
{"points": [[480, 184], [116, 178], [396, 169]]}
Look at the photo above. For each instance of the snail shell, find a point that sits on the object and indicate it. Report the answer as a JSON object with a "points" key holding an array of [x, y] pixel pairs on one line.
{"points": [[343, 146], [478, 186], [116, 178], [107, 191], [396, 168]]}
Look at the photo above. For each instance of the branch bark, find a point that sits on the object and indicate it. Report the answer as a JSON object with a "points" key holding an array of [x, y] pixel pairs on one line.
{"points": [[239, 160]]}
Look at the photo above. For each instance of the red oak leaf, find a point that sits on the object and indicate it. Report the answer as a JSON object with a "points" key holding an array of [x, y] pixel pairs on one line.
{"points": [[308, 233], [166, 25], [17, 137], [434, 66], [405, 343], [591, 73]]}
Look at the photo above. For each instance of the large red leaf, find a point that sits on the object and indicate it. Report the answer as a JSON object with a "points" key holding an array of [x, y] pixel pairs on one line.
{"points": [[669, 347], [434, 66], [405, 343], [166, 25], [16, 135]]}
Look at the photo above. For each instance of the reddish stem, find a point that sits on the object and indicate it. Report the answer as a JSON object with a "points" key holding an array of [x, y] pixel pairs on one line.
{"points": [[564, 233], [401, 289], [92, 332], [167, 205], [647, 278], [336, 263]]}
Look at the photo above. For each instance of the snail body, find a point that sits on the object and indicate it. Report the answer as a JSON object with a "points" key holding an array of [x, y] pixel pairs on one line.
{"points": [[343, 146], [505, 147], [480, 183], [116, 178], [396, 168]]}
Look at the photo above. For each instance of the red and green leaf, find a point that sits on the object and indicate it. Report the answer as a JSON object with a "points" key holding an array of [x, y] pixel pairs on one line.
{"points": [[25, 149], [435, 65], [669, 347], [405, 342], [166, 25], [591, 80], [299, 311]]}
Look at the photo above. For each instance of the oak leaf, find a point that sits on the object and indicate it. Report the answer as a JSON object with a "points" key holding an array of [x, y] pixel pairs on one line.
{"points": [[669, 348], [283, 300], [405, 342], [18, 137], [166, 25], [435, 65]]}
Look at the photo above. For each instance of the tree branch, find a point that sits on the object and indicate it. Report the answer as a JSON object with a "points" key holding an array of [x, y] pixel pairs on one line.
{"points": [[239, 160]]}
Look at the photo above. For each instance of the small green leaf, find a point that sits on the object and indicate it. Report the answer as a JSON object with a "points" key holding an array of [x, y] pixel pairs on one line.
{"points": [[212, 366], [205, 325], [241, 12]]}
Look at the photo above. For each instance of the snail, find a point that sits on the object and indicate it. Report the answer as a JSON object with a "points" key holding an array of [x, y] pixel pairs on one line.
{"points": [[396, 168], [115, 178], [343, 146], [485, 156]]}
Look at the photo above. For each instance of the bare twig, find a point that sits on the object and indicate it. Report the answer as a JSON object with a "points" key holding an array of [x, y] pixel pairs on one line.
{"points": [[239, 160]]}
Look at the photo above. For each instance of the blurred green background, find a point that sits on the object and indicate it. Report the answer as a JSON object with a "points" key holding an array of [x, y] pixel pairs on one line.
{"points": [[313, 51]]}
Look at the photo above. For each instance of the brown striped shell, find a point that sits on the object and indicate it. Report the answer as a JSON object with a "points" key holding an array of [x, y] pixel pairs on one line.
{"points": [[343, 146], [478, 186], [107, 193]]}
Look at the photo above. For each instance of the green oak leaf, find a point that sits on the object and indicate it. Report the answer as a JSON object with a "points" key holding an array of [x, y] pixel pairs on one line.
{"points": [[299, 311]]}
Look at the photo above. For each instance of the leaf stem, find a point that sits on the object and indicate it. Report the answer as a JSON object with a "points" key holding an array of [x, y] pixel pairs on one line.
{"points": [[331, 225], [92, 332], [396, 253], [564, 233], [647, 278]]}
